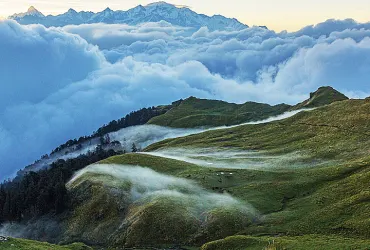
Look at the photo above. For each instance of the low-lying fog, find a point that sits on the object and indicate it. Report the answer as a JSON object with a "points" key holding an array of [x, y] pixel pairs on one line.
{"points": [[230, 159], [145, 185]]}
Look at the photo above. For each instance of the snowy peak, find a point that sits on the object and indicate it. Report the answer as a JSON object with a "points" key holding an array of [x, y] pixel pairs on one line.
{"points": [[160, 4], [32, 11], [154, 12]]}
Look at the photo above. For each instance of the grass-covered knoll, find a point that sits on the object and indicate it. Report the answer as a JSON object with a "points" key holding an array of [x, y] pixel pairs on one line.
{"points": [[22, 244], [194, 112], [97, 213], [325, 200], [121, 205], [307, 242], [323, 96]]}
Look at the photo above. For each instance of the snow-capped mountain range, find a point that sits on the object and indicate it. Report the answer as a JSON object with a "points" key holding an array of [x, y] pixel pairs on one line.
{"points": [[155, 12]]}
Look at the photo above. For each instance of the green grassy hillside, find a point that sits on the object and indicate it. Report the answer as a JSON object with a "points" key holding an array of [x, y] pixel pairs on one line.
{"points": [[180, 213], [298, 183], [334, 132], [325, 200], [21, 244], [330, 195], [194, 112]]}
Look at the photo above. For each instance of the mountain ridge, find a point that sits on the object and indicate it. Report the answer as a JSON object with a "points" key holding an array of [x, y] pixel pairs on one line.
{"points": [[323, 96], [155, 12]]}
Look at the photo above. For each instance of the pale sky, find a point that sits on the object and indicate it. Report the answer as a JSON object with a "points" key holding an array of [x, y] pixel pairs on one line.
{"points": [[276, 14]]}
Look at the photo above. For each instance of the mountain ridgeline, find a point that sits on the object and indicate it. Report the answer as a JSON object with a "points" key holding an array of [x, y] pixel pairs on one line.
{"points": [[194, 112], [155, 12]]}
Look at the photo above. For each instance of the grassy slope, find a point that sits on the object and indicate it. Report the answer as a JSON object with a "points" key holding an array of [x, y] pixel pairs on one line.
{"points": [[330, 200], [334, 199], [172, 221], [334, 132], [13, 244], [194, 112], [159, 164]]}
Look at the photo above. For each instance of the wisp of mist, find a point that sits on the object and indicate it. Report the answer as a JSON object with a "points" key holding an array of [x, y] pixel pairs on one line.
{"points": [[145, 185]]}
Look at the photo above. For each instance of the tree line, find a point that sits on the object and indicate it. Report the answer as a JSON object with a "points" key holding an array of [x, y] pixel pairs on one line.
{"points": [[135, 118], [43, 192]]}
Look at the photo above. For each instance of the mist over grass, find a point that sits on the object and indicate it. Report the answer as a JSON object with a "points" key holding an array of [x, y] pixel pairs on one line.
{"points": [[146, 135], [268, 120], [147, 206], [224, 158], [146, 185]]}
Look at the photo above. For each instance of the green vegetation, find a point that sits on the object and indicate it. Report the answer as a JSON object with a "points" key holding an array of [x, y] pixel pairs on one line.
{"points": [[97, 213], [323, 96], [178, 213], [307, 242], [159, 164], [21, 244], [194, 112], [43, 192], [335, 132], [329, 198], [311, 192]]}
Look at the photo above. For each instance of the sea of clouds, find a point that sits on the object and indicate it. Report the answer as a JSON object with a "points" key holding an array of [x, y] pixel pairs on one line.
{"points": [[61, 83]]}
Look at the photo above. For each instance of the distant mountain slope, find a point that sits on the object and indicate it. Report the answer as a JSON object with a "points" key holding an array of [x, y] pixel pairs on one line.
{"points": [[194, 112], [155, 12], [322, 96]]}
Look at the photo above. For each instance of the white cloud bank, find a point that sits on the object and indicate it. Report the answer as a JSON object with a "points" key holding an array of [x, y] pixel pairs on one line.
{"points": [[61, 83]]}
